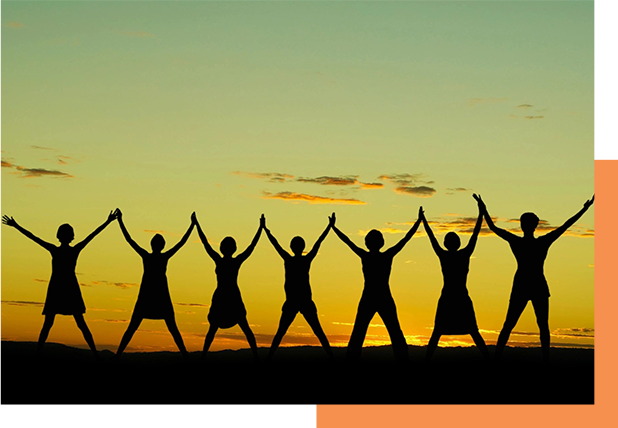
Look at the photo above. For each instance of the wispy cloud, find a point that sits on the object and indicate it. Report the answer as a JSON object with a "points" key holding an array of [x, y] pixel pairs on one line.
{"points": [[14, 24], [138, 34], [41, 148], [524, 106], [453, 190], [6, 164], [22, 303], [460, 224], [296, 197], [65, 160], [195, 305], [342, 180], [420, 191], [476, 101], [534, 117], [273, 177], [578, 333], [325, 180], [41, 172], [123, 285], [410, 184]]}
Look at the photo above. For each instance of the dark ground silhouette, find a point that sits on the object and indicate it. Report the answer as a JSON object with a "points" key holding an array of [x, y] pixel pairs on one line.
{"points": [[454, 376]]}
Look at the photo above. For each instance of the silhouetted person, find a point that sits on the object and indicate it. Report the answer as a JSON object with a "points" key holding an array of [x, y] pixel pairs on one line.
{"points": [[227, 308], [455, 313], [376, 294], [153, 301], [529, 282], [64, 296], [297, 288]]}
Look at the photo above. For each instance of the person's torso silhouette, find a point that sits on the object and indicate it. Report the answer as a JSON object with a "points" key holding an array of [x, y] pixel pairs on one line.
{"points": [[297, 287], [530, 253], [63, 294], [154, 300]]}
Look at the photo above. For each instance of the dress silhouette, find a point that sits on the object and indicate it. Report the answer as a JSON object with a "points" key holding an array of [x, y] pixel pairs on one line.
{"points": [[297, 288], [227, 308], [376, 295], [64, 297], [154, 300], [455, 313], [529, 283]]}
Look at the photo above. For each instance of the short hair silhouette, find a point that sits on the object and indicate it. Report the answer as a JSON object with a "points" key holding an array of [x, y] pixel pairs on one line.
{"points": [[228, 246], [374, 240], [528, 221], [65, 233], [297, 245], [452, 241], [157, 243]]}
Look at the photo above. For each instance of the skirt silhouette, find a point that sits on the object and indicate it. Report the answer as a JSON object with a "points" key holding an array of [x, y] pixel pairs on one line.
{"points": [[455, 315], [227, 308]]}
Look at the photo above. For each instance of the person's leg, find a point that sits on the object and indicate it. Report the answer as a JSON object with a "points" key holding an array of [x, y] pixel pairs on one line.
{"points": [[287, 316], [126, 338], [244, 326], [541, 310], [388, 313], [170, 322], [433, 344], [208, 340], [311, 315], [81, 324], [47, 325], [365, 313], [480, 343], [516, 307]]}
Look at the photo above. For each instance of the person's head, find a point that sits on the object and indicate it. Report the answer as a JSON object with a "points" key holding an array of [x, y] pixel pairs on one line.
{"points": [[452, 241], [65, 233], [374, 240], [297, 245], [228, 246], [157, 243], [529, 222]]}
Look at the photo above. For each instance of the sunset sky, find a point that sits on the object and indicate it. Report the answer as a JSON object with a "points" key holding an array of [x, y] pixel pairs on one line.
{"points": [[294, 110]]}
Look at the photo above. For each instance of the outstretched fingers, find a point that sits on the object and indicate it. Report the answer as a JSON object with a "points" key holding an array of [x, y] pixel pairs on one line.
{"points": [[8, 221]]}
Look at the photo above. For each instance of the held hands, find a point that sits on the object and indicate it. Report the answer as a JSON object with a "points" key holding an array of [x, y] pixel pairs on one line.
{"points": [[331, 220], [8, 221], [589, 202], [263, 222], [118, 214], [421, 214], [194, 219], [112, 216], [480, 202]]}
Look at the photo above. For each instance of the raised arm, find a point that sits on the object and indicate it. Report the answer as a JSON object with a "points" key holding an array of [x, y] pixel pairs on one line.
{"points": [[212, 253], [504, 234], [432, 238], [111, 217], [183, 240], [284, 254], [556, 233], [245, 254], [9, 221], [126, 235], [357, 250], [316, 246], [477, 229], [399, 245]]}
